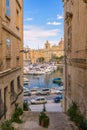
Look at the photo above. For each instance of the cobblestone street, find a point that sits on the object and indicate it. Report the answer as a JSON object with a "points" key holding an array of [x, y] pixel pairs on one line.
{"points": [[58, 121]]}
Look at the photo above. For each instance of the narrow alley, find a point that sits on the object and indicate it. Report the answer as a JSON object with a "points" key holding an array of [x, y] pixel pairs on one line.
{"points": [[58, 121]]}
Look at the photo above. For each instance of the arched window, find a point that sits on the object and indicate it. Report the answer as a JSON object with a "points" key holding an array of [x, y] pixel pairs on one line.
{"points": [[8, 7]]}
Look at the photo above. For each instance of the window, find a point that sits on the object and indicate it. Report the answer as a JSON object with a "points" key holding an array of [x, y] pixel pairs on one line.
{"points": [[7, 8], [17, 19], [0, 93], [42, 99], [8, 52], [69, 85], [69, 37], [1, 100], [12, 87], [8, 41], [8, 45], [37, 99], [18, 82]]}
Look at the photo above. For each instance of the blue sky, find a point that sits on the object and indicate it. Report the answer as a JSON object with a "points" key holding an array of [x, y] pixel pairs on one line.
{"points": [[43, 20]]}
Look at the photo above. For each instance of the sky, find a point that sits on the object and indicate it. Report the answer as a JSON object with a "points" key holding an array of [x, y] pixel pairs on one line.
{"points": [[43, 20]]}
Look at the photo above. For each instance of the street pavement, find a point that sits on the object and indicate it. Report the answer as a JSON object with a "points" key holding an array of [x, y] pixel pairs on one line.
{"points": [[58, 121], [50, 107]]}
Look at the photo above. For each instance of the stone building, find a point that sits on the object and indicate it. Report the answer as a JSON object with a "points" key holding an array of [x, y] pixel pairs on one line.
{"points": [[11, 58], [58, 50], [47, 52], [75, 16]]}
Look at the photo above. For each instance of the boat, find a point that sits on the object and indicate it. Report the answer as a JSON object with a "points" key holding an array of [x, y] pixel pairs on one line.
{"points": [[57, 80], [39, 69], [26, 81]]}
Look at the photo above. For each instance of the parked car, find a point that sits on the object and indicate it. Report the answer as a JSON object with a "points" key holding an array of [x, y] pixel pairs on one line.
{"points": [[57, 91], [39, 100], [26, 92], [58, 98], [44, 91], [61, 88], [25, 88], [34, 90]]}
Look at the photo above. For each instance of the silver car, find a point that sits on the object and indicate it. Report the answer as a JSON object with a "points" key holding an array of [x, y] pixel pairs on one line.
{"points": [[39, 100], [44, 91]]}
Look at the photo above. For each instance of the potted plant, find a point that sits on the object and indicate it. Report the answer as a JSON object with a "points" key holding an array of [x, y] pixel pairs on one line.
{"points": [[43, 119]]}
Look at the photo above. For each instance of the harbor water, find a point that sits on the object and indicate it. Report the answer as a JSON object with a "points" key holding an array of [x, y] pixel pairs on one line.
{"points": [[44, 81]]}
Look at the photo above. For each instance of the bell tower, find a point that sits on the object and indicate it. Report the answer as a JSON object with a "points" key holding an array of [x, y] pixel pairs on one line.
{"points": [[47, 45]]}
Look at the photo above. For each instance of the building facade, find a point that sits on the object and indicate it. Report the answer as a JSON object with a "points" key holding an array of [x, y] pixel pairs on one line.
{"points": [[11, 58], [75, 13], [47, 52]]}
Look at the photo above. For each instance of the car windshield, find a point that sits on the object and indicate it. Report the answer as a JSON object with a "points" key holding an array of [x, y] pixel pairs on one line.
{"points": [[45, 90], [42, 99]]}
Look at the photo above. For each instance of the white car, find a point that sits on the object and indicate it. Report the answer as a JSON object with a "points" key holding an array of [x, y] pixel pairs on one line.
{"points": [[26, 93], [39, 100], [44, 91], [58, 92]]}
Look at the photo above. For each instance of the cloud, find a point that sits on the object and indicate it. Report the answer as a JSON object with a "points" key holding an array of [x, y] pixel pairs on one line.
{"points": [[53, 23], [35, 31], [60, 16], [28, 19], [34, 35]]}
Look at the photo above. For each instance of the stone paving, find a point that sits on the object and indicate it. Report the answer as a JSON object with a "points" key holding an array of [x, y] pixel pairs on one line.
{"points": [[58, 121]]}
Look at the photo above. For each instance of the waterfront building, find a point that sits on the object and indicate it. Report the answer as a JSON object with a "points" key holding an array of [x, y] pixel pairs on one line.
{"points": [[11, 57], [46, 53], [75, 44]]}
